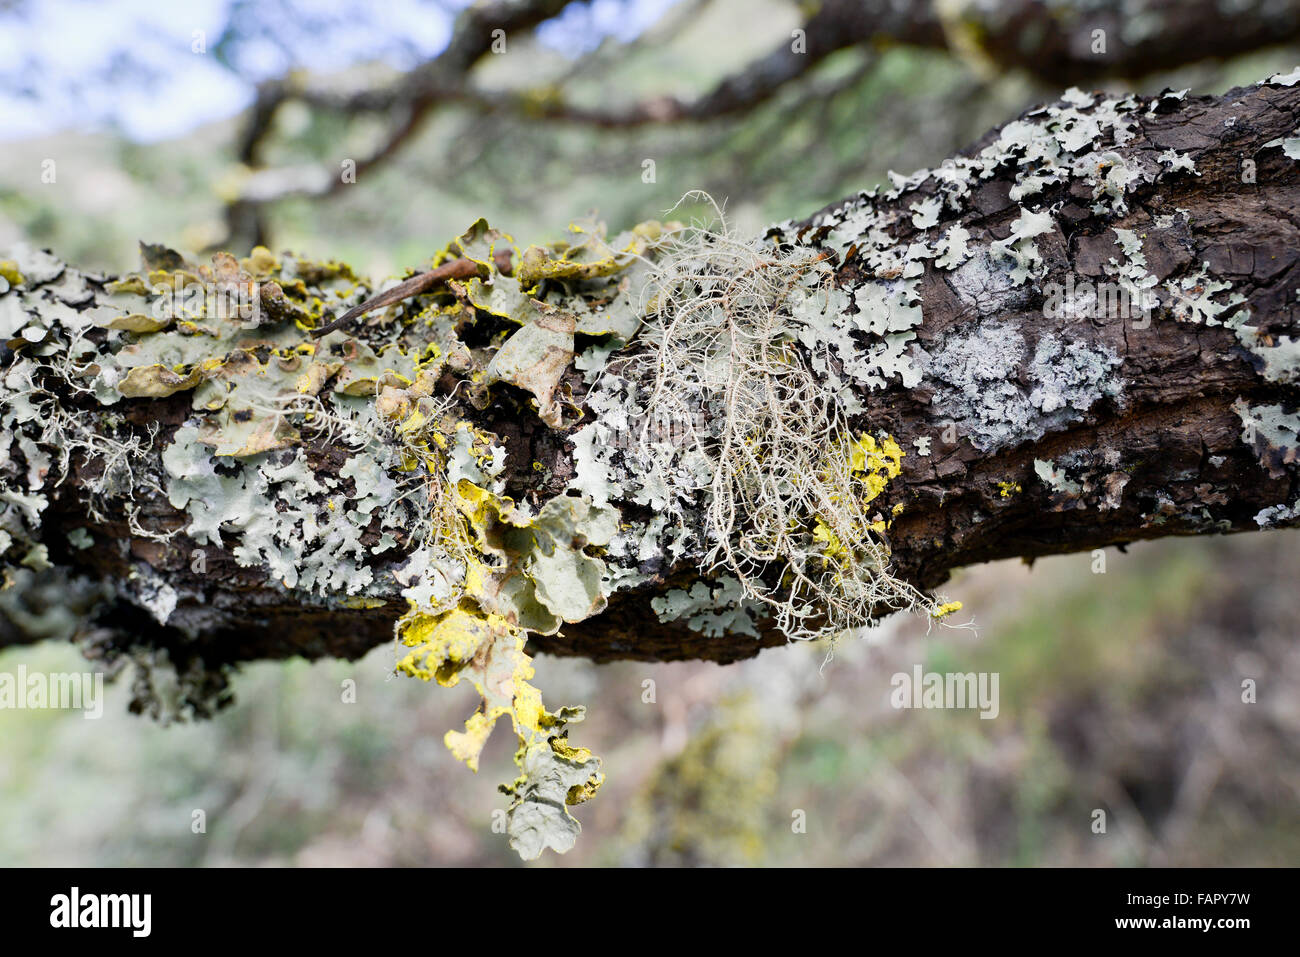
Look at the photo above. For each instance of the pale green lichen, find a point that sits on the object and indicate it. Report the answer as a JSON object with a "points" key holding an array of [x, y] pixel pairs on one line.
{"points": [[714, 610], [1055, 479], [1192, 298], [1272, 433]]}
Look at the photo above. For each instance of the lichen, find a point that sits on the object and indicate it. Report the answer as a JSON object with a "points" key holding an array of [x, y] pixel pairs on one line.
{"points": [[1273, 433], [489, 650], [1056, 479], [712, 609], [764, 478], [976, 376], [417, 481]]}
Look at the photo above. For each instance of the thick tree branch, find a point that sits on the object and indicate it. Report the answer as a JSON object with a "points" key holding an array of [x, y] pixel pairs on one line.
{"points": [[1033, 421]]}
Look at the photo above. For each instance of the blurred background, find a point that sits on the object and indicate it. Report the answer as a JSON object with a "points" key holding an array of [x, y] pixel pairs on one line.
{"points": [[225, 123]]}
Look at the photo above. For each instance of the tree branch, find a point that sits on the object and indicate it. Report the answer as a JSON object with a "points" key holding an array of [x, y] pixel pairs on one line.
{"points": [[412, 101], [219, 489]]}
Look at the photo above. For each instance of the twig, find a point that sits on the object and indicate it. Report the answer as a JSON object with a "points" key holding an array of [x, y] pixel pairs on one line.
{"points": [[461, 268]]}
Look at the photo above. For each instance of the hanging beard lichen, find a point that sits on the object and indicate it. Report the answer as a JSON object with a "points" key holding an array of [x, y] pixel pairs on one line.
{"points": [[769, 457]]}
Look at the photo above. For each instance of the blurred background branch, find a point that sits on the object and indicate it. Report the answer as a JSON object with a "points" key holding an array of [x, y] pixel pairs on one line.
{"points": [[1056, 43], [434, 118]]}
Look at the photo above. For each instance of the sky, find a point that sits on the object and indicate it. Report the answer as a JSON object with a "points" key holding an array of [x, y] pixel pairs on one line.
{"points": [[155, 71]]}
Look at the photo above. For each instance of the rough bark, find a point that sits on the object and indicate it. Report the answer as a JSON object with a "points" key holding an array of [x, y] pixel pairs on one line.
{"points": [[1147, 443]]}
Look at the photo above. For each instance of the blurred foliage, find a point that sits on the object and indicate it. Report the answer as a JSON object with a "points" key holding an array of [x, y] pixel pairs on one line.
{"points": [[898, 108], [1119, 691]]}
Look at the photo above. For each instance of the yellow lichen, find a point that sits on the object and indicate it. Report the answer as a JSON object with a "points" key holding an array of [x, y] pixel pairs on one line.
{"points": [[489, 650], [875, 462]]}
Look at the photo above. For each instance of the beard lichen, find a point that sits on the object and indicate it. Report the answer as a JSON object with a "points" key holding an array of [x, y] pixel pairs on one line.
{"points": [[767, 454]]}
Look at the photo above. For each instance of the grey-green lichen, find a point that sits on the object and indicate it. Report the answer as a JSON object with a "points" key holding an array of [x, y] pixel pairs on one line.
{"points": [[715, 610], [976, 378], [265, 400], [1273, 433]]}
